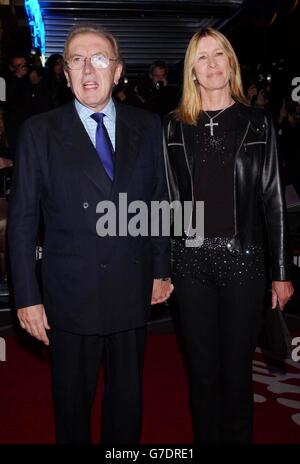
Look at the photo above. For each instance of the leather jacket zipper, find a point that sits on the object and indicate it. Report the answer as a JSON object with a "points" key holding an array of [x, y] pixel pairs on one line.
{"points": [[234, 177], [191, 179]]}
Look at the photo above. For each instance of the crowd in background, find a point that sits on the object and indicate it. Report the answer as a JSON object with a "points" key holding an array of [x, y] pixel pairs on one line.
{"points": [[33, 89]]}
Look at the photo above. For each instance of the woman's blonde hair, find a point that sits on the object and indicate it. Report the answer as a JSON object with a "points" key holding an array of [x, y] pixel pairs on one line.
{"points": [[190, 104]]}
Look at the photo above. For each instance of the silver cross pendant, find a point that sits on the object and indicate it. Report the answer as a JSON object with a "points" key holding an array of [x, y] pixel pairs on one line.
{"points": [[211, 125]]}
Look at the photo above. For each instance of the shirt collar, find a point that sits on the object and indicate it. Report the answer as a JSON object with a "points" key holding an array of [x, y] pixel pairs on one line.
{"points": [[84, 112]]}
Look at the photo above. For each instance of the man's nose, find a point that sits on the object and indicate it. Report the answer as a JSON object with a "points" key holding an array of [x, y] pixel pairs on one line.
{"points": [[88, 67]]}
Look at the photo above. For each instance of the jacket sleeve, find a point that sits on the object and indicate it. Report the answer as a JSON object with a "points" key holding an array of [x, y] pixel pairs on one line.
{"points": [[161, 250], [23, 220], [171, 181], [274, 208]]}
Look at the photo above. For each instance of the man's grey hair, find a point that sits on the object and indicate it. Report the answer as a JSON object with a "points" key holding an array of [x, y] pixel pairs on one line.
{"points": [[94, 29]]}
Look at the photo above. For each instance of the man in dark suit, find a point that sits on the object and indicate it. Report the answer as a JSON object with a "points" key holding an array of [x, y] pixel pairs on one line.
{"points": [[96, 289]]}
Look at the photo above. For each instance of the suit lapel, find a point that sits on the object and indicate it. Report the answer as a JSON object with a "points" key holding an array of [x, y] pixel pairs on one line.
{"points": [[127, 148], [82, 150]]}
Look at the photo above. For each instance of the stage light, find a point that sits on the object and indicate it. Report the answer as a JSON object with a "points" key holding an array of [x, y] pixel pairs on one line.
{"points": [[36, 24]]}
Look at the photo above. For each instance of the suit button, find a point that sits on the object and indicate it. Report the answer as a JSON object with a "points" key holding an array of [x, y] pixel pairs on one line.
{"points": [[85, 205], [103, 265]]}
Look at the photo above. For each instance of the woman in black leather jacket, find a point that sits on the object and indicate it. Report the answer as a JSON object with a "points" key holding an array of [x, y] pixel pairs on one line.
{"points": [[223, 152]]}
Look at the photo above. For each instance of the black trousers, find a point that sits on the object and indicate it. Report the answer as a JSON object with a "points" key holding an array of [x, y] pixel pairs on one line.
{"points": [[219, 324], [76, 360]]}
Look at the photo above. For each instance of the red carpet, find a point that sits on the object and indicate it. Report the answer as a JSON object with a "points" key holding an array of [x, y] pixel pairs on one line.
{"points": [[26, 410]]}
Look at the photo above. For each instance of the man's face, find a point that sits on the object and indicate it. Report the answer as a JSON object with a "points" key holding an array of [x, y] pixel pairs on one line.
{"points": [[34, 77], [19, 66], [91, 86], [159, 75]]}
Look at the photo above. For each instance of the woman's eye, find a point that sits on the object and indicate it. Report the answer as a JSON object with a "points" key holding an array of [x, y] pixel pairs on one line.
{"points": [[202, 57]]}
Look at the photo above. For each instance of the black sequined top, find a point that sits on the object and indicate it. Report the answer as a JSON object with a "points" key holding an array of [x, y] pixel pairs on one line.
{"points": [[214, 171]]}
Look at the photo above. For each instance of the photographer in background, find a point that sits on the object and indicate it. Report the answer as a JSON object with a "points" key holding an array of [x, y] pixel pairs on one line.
{"points": [[40, 97], [127, 92], [5, 177], [158, 73], [18, 97], [159, 96], [261, 99], [258, 91], [4, 148]]}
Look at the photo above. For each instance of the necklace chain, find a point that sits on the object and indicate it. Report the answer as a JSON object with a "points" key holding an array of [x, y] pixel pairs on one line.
{"points": [[211, 124], [213, 117]]}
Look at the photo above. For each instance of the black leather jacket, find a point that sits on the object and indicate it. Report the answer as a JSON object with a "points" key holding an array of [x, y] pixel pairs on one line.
{"points": [[259, 208]]}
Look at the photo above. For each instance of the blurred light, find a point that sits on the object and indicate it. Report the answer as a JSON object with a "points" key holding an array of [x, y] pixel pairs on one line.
{"points": [[36, 24], [294, 6], [272, 20]]}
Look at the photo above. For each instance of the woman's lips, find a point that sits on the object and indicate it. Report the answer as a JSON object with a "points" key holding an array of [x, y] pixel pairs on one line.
{"points": [[215, 74]]}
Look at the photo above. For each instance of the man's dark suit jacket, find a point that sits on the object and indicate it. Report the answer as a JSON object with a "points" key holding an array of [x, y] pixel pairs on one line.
{"points": [[90, 284]]}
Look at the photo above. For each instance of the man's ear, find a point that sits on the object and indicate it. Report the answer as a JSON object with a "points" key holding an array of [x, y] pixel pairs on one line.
{"points": [[67, 77], [118, 73]]}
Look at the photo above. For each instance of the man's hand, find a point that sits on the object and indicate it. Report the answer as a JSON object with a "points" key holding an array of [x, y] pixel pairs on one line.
{"points": [[161, 290], [281, 293], [34, 320]]}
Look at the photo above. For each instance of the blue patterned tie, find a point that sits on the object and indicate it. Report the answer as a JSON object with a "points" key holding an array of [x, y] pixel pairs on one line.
{"points": [[103, 145]]}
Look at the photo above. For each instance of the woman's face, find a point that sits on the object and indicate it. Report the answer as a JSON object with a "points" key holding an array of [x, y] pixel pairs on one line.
{"points": [[211, 65], [58, 66], [34, 77]]}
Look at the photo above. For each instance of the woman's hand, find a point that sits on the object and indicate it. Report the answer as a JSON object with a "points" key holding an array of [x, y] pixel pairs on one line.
{"points": [[282, 292]]}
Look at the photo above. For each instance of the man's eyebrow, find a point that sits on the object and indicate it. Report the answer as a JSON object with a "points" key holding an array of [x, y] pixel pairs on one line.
{"points": [[95, 53]]}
